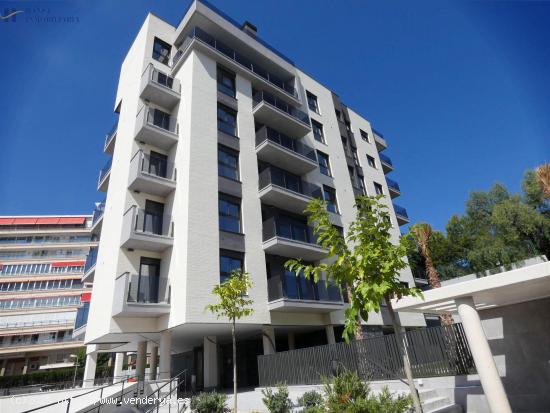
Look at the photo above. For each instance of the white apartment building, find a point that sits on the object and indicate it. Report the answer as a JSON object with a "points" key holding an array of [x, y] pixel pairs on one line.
{"points": [[221, 142], [42, 261]]}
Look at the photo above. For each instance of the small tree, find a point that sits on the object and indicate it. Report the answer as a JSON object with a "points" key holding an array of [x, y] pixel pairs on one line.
{"points": [[422, 234], [366, 262], [234, 305]]}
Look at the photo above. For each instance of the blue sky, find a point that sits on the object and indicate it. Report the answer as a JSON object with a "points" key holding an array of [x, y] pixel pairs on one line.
{"points": [[461, 90]]}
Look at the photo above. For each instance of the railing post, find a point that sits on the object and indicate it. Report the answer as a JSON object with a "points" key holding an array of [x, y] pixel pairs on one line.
{"points": [[68, 406]]}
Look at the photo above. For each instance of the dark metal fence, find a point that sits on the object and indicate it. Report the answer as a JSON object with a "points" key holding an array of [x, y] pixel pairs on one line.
{"points": [[435, 351]]}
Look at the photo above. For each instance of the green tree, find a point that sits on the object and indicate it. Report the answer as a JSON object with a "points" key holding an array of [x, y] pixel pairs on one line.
{"points": [[366, 262], [234, 305]]}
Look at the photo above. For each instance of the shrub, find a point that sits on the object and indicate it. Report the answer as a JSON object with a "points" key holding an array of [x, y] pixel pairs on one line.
{"points": [[311, 401], [211, 402], [277, 402], [387, 402]]}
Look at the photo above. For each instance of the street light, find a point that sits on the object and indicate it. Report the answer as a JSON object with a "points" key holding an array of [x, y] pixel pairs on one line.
{"points": [[74, 356]]}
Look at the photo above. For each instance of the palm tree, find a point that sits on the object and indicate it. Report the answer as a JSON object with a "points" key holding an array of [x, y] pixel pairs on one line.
{"points": [[422, 233], [543, 177]]}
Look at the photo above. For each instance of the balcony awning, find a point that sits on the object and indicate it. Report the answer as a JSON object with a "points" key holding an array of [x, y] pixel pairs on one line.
{"points": [[68, 264], [55, 220], [55, 366], [86, 297]]}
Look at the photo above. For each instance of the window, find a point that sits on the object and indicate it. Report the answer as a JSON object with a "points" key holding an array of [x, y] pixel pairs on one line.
{"points": [[228, 163], [354, 155], [227, 120], [361, 181], [229, 211], [312, 102], [378, 189], [371, 161], [364, 135], [161, 119], [161, 51], [318, 131], [229, 261], [338, 115], [330, 198], [226, 82], [293, 228], [324, 164]]}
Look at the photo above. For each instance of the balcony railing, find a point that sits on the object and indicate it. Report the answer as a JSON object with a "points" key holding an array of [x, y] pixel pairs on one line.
{"points": [[386, 159], [82, 315], [300, 288], [267, 133], [110, 135], [400, 211], [30, 342], [275, 176], [197, 33], [393, 185], [153, 118], [91, 259], [263, 96], [143, 289], [277, 227], [105, 171], [162, 79], [154, 165], [35, 323], [98, 212]]}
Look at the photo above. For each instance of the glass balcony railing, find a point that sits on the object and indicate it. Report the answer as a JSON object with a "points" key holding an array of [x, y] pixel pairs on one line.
{"points": [[267, 133], [158, 118], [98, 212], [281, 178], [393, 185], [291, 287], [111, 134], [162, 79], [143, 289], [197, 33], [385, 159], [399, 210], [33, 341], [91, 259], [154, 165], [263, 96], [146, 222], [7, 325], [289, 229], [105, 170], [82, 315]]}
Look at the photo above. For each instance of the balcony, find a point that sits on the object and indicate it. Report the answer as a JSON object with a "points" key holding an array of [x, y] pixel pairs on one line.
{"points": [[104, 174], [292, 242], [379, 140], [285, 190], [401, 214], [145, 231], [89, 266], [160, 88], [28, 341], [151, 175], [156, 128], [272, 111], [110, 139], [235, 61], [138, 296], [393, 186], [387, 165], [97, 218], [279, 149], [298, 294]]}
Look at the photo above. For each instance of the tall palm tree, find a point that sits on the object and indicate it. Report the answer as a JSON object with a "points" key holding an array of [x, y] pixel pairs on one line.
{"points": [[543, 177], [422, 233]]}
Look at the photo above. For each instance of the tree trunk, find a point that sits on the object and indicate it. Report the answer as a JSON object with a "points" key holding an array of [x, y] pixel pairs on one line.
{"points": [[357, 333], [434, 281], [234, 366], [402, 346]]}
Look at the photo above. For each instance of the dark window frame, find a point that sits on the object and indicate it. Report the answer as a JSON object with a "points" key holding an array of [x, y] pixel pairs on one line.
{"points": [[371, 161], [332, 202], [364, 135], [238, 218], [229, 90], [323, 156], [312, 102], [378, 188], [227, 127], [231, 153], [157, 54], [231, 256], [319, 137]]}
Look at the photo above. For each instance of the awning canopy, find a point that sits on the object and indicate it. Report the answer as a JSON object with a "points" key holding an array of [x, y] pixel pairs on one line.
{"points": [[54, 220], [55, 366], [510, 287]]}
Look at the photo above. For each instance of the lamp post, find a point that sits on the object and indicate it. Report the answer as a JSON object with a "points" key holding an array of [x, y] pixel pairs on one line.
{"points": [[74, 356]]}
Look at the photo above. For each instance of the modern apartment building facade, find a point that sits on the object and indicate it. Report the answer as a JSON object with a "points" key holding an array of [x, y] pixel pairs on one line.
{"points": [[42, 261], [220, 144]]}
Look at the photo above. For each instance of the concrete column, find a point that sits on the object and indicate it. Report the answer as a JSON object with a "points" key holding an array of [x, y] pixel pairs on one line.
{"points": [[119, 366], [291, 341], [26, 366], [89, 370], [210, 362], [3, 368], [165, 354], [481, 352], [330, 334], [141, 360], [268, 338], [153, 357]]}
